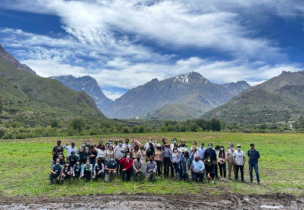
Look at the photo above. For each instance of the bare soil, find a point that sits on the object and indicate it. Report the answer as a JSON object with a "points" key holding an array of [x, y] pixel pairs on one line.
{"points": [[153, 201]]}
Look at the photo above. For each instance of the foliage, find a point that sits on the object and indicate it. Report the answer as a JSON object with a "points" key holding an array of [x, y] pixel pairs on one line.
{"points": [[78, 124], [1, 105]]}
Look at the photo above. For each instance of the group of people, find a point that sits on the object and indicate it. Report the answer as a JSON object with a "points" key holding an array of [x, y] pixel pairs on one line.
{"points": [[151, 160]]}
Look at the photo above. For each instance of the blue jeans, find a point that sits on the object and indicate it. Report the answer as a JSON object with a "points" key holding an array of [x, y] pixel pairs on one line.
{"points": [[166, 166], [256, 169]]}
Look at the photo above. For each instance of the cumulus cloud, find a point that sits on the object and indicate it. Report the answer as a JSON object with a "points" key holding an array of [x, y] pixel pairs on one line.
{"points": [[110, 40]]}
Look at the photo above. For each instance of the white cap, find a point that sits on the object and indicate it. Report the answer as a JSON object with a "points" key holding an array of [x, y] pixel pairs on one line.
{"points": [[238, 145]]}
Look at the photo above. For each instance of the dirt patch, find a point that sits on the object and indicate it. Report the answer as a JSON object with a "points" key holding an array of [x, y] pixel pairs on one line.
{"points": [[152, 201]]}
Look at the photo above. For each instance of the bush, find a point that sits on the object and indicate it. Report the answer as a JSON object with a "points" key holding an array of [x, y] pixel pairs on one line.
{"points": [[141, 129], [54, 124], [78, 124], [2, 131]]}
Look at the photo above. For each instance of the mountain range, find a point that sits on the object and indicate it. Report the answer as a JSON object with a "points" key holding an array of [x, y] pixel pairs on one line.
{"points": [[87, 84], [182, 97], [30, 99], [279, 99]]}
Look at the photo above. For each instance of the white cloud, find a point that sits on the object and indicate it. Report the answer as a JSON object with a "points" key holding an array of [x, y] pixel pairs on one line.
{"points": [[112, 94]]}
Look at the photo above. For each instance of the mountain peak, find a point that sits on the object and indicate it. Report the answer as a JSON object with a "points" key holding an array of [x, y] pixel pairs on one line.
{"points": [[8, 58]]}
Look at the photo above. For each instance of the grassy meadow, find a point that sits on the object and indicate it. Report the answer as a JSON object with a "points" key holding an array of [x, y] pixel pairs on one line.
{"points": [[25, 166]]}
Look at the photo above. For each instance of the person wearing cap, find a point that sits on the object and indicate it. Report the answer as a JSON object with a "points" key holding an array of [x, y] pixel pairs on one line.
{"points": [[127, 166], [193, 154], [158, 158], [239, 160], [254, 156], [77, 170], [98, 169], [197, 168], [73, 159], [109, 152], [147, 144], [231, 163], [167, 159], [110, 169], [184, 165], [56, 172], [210, 172], [138, 168], [70, 148], [150, 171]]}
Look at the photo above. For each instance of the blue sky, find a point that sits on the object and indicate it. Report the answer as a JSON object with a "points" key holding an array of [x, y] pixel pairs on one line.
{"points": [[124, 44]]}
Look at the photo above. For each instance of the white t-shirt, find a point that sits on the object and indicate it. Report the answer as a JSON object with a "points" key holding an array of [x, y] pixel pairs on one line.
{"points": [[70, 149], [117, 151], [100, 153], [239, 157]]}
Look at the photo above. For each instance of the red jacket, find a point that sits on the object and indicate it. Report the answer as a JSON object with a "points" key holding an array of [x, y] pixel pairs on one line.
{"points": [[126, 165]]}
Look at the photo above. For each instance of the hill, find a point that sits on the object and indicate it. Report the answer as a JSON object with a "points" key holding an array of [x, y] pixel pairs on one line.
{"points": [[191, 94], [88, 85], [279, 99], [32, 100]]}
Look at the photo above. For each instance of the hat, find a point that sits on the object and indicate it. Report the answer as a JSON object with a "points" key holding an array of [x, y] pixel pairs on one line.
{"points": [[193, 147], [238, 145], [252, 144], [111, 145], [158, 145], [183, 149], [116, 140]]}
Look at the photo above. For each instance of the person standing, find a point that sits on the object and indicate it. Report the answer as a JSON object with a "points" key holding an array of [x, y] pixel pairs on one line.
{"points": [[183, 145], [231, 164], [158, 159], [119, 154], [222, 159], [55, 147], [100, 144], [201, 151], [167, 159], [239, 160], [92, 154], [150, 151], [83, 153], [127, 166], [216, 149], [101, 153], [70, 149], [175, 159], [138, 168], [126, 144], [254, 156], [184, 168], [109, 152], [150, 171], [148, 144]]}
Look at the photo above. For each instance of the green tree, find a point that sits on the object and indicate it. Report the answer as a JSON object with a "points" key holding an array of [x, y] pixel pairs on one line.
{"points": [[1, 105], [78, 124], [141, 129], [125, 130], [215, 125], [54, 123]]}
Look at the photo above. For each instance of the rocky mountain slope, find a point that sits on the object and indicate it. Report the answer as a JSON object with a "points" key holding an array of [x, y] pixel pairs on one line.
{"points": [[279, 99], [8, 58], [88, 85], [191, 91], [32, 100]]}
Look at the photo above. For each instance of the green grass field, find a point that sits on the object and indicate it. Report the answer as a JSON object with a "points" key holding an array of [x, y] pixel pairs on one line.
{"points": [[25, 166]]}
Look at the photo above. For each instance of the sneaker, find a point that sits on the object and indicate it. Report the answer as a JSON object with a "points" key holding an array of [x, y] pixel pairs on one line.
{"points": [[212, 182], [158, 177], [221, 179], [251, 181], [259, 183], [224, 179]]}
